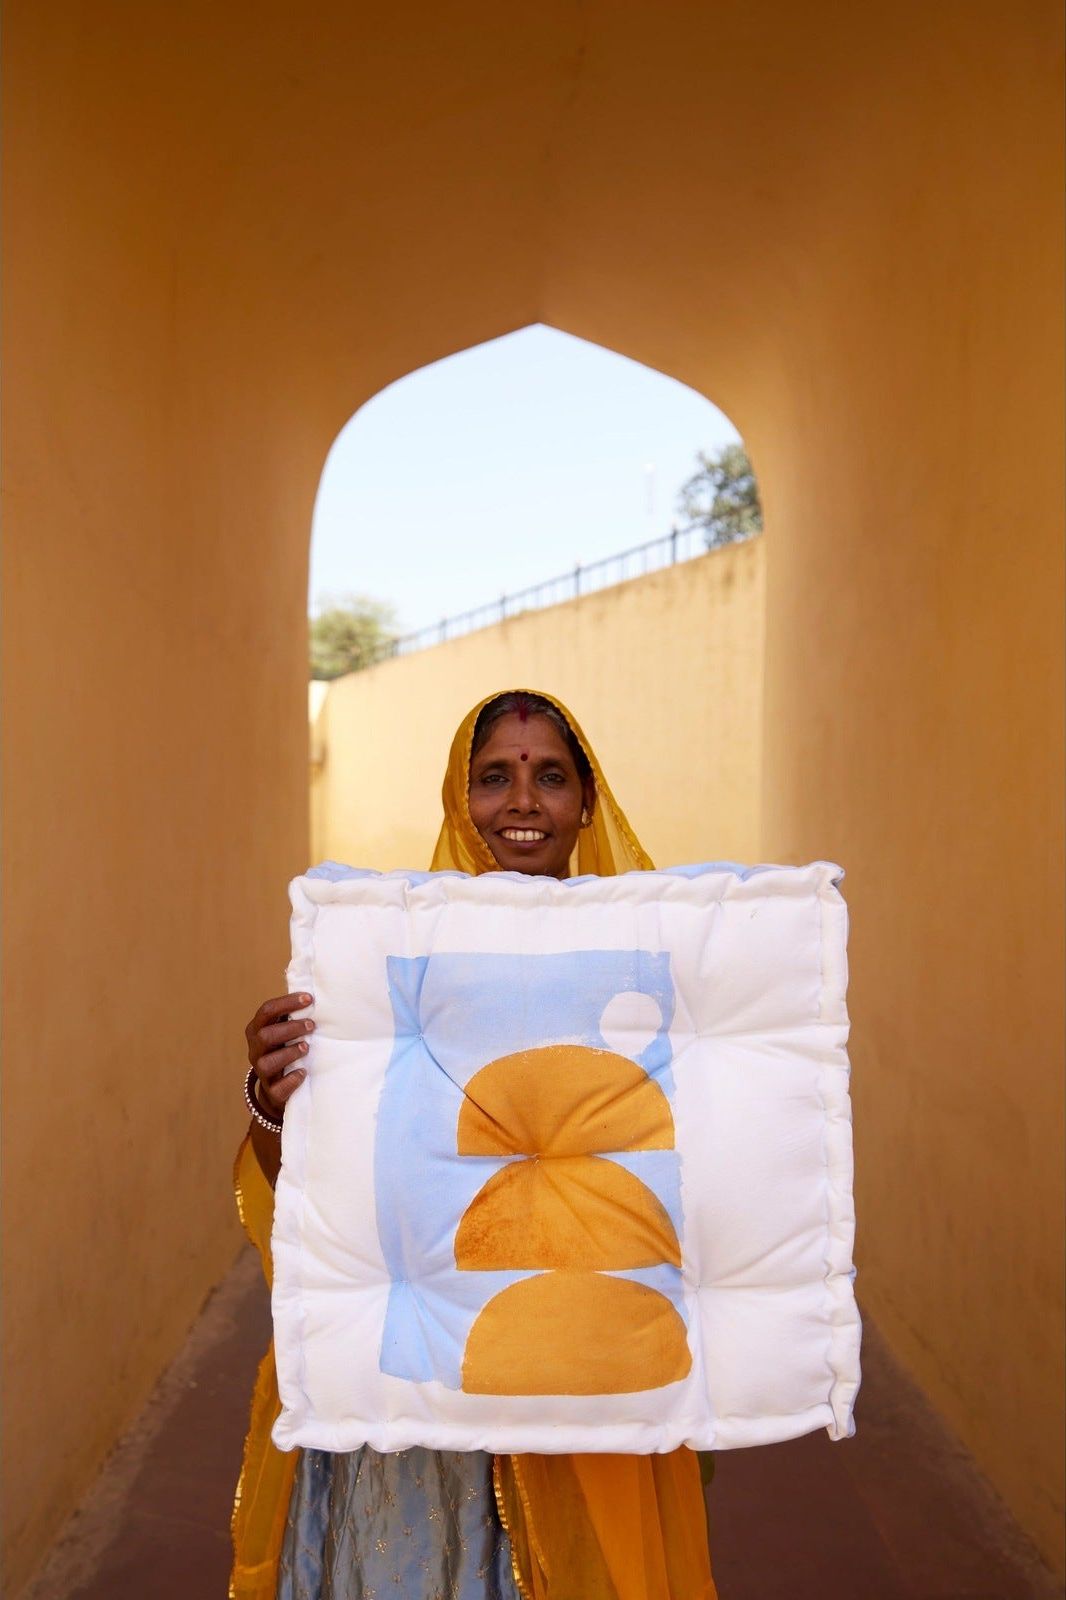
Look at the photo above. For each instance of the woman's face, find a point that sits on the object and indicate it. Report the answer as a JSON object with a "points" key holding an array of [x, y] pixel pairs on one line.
{"points": [[526, 797]]}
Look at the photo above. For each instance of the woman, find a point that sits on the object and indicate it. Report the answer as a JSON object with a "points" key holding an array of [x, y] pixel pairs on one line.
{"points": [[523, 793]]}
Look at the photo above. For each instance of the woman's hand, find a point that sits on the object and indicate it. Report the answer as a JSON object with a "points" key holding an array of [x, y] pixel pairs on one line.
{"points": [[275, 1041]]}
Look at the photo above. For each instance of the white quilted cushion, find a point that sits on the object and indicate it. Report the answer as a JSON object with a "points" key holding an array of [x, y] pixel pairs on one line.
{"points": [[571, 1169]]}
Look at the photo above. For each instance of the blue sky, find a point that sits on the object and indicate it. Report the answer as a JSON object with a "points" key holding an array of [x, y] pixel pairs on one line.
{"points": [[499, 467]]}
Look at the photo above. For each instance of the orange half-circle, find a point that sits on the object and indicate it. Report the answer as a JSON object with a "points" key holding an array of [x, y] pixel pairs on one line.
{"points": [[563, 1100], [565, 1212], [575, 1333]]}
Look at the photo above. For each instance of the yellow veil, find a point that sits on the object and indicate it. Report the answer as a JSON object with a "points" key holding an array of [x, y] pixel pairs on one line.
{"points": [[581, 1527], [607, 846]]}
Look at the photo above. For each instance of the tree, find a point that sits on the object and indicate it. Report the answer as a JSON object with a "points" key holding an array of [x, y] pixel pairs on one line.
{"points": [[722, 497], [348, 634]]}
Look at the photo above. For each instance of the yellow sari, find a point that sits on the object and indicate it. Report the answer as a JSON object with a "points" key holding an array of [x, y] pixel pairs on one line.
{"points": [[581, 1527]]}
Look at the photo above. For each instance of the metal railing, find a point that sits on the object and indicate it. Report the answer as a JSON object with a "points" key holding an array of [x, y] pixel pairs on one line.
{"points": [[680, 544]]}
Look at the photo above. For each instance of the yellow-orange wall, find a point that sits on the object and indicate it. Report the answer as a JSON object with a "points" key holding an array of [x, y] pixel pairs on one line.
{"points": [[144, 912], [663, 673], [228, 226]]}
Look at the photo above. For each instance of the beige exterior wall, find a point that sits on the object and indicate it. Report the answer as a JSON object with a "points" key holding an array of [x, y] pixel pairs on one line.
{"points": [[214, 254], [663, 673]]}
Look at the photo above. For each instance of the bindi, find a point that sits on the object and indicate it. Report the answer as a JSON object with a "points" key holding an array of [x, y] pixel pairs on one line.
{"points": [[525, 755]]}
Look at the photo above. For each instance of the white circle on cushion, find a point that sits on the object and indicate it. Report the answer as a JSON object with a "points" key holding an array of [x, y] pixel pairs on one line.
{"points": [[630, 1022]]}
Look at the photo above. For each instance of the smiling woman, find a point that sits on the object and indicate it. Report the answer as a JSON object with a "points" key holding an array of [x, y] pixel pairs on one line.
{"points": [[531, 785], [523, 792]]}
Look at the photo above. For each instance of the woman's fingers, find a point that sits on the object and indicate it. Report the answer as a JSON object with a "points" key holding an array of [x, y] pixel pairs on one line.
{"points": [[273, 1026], [281, 1005], [275, 1042], [279, 1034], [274, 1085], [274, 1010], [280, 1091], [271, 1065]]}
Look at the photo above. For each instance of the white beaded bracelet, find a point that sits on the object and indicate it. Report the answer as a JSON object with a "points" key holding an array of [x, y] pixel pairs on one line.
{"points": [[252, 1102]]}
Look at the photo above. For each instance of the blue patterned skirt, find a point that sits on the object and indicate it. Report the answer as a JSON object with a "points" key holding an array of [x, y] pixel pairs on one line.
{"points": [[415, 1525]]}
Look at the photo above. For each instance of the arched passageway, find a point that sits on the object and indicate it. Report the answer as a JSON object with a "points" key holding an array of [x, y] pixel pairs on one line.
{"points": [[225, 231], [462, 489], [488, 472]]}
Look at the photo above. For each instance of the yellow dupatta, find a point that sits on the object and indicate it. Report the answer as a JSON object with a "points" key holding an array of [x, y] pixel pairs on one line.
{"points": [[581, 1527], [261, 1503]]}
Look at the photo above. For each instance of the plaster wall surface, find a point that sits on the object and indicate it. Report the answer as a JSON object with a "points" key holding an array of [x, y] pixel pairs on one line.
{"points": [[225, 228], [148, 534]]}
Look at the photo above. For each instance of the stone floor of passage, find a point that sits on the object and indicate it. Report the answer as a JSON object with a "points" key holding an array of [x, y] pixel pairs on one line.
{"points": [[896, 1513]]}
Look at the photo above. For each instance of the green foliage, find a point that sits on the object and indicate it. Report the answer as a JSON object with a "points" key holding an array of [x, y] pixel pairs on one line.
{"points": [[722, 497], [348, 634]]}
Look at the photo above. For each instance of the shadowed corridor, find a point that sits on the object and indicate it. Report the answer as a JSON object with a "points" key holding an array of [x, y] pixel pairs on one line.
{"points": [[897, 1513]]}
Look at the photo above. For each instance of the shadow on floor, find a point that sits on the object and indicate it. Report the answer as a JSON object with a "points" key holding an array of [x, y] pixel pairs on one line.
{"points": [[897, 1513]]}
